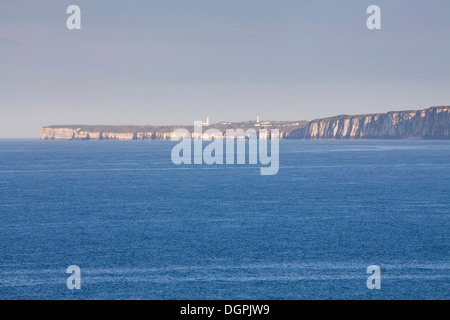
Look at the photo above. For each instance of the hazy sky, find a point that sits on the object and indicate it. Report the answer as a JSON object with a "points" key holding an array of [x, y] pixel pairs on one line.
{"points": [[173, 62]]}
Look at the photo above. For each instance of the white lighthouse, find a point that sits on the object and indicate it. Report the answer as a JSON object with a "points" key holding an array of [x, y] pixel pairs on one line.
{"points": [[257, 124]]}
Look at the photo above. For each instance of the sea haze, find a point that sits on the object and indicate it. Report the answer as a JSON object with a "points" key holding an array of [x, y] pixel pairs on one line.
{"points": [[140, 227]]}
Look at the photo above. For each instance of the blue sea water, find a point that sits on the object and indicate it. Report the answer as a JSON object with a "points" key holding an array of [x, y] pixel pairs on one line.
{"points": [[140, 227]]}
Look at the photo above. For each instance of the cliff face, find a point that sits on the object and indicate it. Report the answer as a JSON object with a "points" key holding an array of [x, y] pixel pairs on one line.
{"points": [[104, 133], [142, 133], [431, 123]]}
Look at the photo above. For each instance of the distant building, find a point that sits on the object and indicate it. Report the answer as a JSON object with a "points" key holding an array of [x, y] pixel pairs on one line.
{"points": [[206, 124], [257, 124]]}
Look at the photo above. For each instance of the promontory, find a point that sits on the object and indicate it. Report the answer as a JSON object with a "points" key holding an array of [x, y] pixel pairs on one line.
{"points": [[430, 123]]}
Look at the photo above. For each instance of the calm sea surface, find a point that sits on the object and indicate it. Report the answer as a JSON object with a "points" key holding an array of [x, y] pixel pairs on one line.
{"points": [[140, 227]]}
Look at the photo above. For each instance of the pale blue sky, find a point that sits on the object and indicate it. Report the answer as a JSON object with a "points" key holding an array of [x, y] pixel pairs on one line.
{"points": [[173, 62]]}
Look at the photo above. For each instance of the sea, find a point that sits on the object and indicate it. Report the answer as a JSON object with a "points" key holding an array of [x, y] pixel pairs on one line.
{"points": [[140, 227]]}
